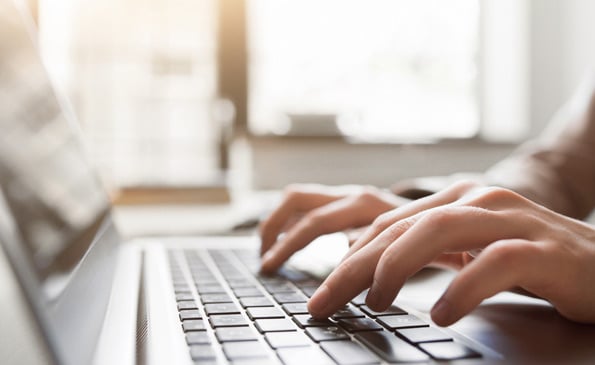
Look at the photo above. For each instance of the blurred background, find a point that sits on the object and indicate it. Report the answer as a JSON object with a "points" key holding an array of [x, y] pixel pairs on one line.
{"points": [[261, 93]]}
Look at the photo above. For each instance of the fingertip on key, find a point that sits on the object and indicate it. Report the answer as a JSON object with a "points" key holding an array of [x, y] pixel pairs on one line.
{"points": [[319, 302], [267, 263]]}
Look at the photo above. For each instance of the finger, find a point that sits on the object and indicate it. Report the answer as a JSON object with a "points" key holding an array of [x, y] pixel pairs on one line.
{"points": [[454, 261], [353, 275], [355, 233], [446, 196], [486, 276], [441, 230], [349, 278], [295, 202], [333, 217]]}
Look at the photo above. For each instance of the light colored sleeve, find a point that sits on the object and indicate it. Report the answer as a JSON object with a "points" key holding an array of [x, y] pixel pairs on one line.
{"points": [[557, 170]]}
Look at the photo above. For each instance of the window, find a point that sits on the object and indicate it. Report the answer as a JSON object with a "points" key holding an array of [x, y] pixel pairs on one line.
{"points": [[385, 70], [143, 75], [142, 78]]}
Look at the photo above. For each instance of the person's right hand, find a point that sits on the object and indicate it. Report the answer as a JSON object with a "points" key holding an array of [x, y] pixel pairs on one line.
{"points": [[309, 211], [498, 239]]}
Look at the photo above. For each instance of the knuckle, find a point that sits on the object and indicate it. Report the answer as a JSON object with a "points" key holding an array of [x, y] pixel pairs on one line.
{"points": [[313, 219], [465, 185], [440, 217], [368, 193], [401, 226], [504, 252], [495, 194], [382, 221]]}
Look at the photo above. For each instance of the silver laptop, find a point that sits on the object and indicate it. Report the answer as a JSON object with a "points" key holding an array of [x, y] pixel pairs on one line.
{"points": [[72, 293]]}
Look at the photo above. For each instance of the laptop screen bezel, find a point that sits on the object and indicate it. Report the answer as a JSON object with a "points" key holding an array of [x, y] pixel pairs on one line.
{"points": [[71, 321]]}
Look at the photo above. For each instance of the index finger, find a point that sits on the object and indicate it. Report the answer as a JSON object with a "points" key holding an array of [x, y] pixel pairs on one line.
{"points": [[350, 278], [446, 196], [443, 230], [294, 203]]}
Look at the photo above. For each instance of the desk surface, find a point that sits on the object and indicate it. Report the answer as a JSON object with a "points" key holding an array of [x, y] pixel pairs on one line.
{"points": [[173, 220]]}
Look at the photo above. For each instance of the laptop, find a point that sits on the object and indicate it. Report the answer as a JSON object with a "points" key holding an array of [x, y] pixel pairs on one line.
{"points": [[74, 293]]}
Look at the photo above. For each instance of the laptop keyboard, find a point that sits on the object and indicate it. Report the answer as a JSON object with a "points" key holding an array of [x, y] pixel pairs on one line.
{"points": [[230, 314]]}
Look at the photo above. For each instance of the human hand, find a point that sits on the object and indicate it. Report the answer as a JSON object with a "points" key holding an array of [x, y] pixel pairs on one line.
{"points": [[309, 211], [523, 245]]}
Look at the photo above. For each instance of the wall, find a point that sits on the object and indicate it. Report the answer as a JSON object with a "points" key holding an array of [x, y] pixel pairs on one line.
{"points": [[562, 52]]}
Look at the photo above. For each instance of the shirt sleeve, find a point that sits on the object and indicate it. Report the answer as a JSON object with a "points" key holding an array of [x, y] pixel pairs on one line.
{"points": [[557, 170]]}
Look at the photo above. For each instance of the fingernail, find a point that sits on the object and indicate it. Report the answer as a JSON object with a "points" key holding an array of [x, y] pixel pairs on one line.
{"points": [[319, 300], [441, 313]]}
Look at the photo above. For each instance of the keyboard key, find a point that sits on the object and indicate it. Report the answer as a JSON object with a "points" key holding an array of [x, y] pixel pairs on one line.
{"points": [[423, 334], [360, 299], [245, 349], [390, 347], [232, 334], [190, 314], [233, 274], [202, 352], [247, 292], [393, 309], [305, 320], [228, 320], [200, 279], [215, 298], [292, 274], [197, 338], [304, 355], [222, 308], [187, 305], [282, 298], [359, 324], [313, 283], [240, 283], [287, 339], [446, 351], [401, 321], [281, 287], [349, 353], [210, 289], [179, 289], [349, 311], [193, 325], [184, 296], [268, 280], [256, 302], [275, 325], [295, 308], [330, 333], [264, 312], [309, 290]]}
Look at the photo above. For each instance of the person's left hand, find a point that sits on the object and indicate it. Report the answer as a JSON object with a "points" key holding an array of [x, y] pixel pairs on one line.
{"points": [[309, 211], [523, 245]]}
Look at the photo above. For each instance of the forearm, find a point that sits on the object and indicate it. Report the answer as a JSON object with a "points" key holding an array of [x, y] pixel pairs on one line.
{"points": [[558, 169]]}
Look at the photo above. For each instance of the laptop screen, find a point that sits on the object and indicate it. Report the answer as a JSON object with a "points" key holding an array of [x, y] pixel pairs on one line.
{"points": [[54, 196]]}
